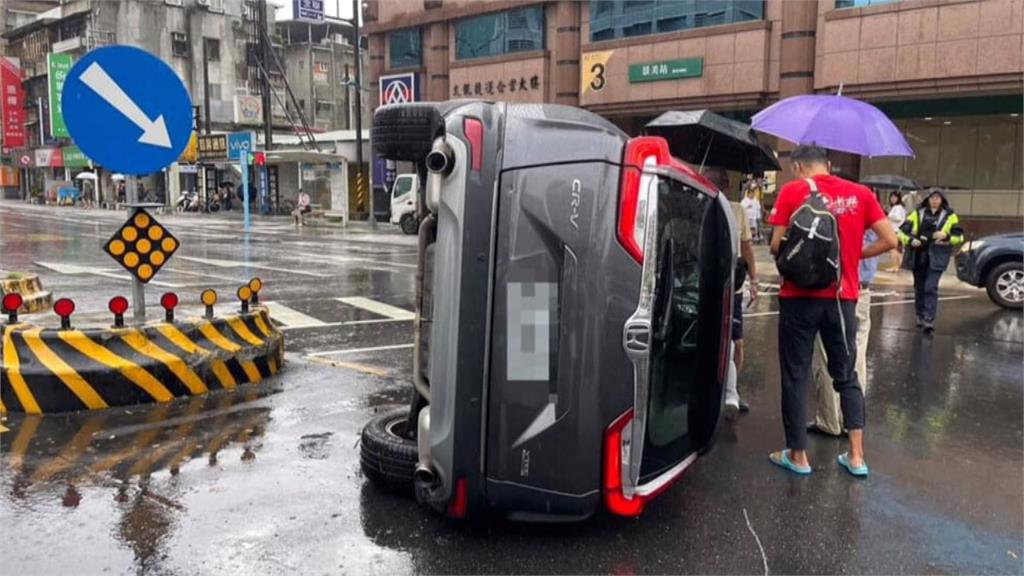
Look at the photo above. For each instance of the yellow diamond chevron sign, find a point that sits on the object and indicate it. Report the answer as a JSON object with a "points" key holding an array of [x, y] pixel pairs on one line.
{"points": [[142, 246]]}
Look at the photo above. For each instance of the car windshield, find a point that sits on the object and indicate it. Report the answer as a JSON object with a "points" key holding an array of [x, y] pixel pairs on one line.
{"points": [[675, 347]]}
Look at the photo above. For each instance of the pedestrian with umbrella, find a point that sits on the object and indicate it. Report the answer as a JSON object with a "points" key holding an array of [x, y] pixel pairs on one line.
{"points": [[819, 222]]}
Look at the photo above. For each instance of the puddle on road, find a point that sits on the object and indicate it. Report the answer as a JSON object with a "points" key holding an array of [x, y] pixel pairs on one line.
{"points": [[111, 447]]}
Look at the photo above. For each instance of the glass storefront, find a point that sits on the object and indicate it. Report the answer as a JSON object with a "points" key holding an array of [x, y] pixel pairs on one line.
{"points": [[979, 159], [520, 30], [611, 19]]}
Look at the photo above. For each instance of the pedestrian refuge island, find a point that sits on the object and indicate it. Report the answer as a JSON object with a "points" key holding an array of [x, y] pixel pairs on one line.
{"points": [[52, 370]]}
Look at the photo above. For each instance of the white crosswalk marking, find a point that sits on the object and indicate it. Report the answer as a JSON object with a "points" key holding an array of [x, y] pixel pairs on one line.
{"points": [[290, 317], [387, 310]]}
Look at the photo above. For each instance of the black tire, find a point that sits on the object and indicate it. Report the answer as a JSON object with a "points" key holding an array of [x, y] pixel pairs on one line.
{"points": [[405, 131], [1004, 273], [388, 458], [409, 223]]}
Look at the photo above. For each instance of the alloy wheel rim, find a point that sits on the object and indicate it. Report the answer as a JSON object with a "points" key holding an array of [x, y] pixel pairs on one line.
{"points": [[1010, 285]]}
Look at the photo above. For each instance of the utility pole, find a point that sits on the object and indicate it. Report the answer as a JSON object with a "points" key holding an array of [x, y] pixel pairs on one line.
{"points": [[206, 90], [263, 36], [359, 114]]}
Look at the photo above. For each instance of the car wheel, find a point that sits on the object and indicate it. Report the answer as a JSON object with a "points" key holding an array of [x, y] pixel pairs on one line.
{"points": [[405, 131], [1005, 285], [387, 455], [409, 224]]}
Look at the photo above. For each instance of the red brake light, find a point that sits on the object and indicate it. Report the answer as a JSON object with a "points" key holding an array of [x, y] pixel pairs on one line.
{"points": [[644, 151], [614, 499], [64, 307], [474, 130], [457, 507], [169, 300], [118, 305], [12, 302]]}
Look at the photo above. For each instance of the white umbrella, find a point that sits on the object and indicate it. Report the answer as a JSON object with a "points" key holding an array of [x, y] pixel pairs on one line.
{"points": [[117, 177], [85, 176]]}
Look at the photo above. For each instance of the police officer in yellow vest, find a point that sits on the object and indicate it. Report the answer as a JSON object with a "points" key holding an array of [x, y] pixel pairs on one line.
{"points": [[930, 234]]}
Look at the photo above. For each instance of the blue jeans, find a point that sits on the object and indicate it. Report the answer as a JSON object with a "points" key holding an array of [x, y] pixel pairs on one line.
{"points": [[926, 292]]}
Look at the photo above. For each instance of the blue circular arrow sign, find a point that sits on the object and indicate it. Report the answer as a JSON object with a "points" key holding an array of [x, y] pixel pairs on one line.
{"points": [[127, 110]]}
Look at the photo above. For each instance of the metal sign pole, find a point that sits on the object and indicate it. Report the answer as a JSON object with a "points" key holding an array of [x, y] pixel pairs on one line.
{"points": [[243, 167], [138, 301]]}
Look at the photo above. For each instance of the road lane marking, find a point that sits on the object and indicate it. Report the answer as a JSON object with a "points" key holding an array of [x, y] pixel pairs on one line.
{"points": [[371, 370], [73, 269], [290, 317], [360, 350], [238, 264], [347, 323], [873, 304], [386, 310]]}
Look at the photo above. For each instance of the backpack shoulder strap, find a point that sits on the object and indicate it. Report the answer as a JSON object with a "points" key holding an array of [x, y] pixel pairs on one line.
{"points": [[812, 185]]}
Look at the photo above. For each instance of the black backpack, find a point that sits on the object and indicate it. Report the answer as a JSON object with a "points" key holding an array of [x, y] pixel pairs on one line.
{"points": [[809, 255]]}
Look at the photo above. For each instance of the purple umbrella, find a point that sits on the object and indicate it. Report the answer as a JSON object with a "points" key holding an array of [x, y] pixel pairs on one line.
{"points": [[833, 122]]}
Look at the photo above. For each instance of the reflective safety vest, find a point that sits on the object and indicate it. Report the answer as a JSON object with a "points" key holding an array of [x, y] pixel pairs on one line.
{"points": [[948, 222]]}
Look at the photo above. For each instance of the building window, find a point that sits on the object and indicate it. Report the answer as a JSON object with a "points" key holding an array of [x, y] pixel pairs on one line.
{"points": [[611, 19], [519, 30], [212, 49], [405, 48], [179, 44], [861, 3]]}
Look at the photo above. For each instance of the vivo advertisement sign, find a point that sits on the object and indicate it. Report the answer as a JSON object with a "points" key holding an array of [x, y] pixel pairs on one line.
{"points": [[240, 143], [312, 10]]}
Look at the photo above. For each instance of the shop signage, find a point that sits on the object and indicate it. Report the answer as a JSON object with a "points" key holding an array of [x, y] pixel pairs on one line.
{"points": [[57, 66], [496, 87], [12, 107], [320, 72], [594, 71], [308, 10], [48, 157], [25, 160], [188, 168], [398, 89], [73, 157], [9, 176], [212, 147], [248, 110], [666, 70], [240, 144]]}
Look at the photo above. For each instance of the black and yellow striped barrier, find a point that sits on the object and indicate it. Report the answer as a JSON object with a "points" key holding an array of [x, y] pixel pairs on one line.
{"points": [[47, 370]]}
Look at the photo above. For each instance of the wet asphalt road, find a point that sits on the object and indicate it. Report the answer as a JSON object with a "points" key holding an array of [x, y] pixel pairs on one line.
{"points": [[268, 481]]}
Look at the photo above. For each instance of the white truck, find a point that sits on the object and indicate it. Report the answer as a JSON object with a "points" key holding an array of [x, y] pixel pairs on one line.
{"points": [[403, 202]]}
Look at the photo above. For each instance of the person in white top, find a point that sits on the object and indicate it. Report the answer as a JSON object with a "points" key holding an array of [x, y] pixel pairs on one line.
{"points": [[752, 206], [896, 214]]}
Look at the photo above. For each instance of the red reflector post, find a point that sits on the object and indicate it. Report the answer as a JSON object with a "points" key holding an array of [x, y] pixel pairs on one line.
{"points": [[169, 300], [64, 308], [457, 507], [611, 480], [118, 305], [11, 303], [474, 130]]}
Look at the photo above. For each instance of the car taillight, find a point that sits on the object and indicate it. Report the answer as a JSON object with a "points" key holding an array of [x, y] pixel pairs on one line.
{"points": [[616, 451], [640, 153], [457, 506], [474, 130]]}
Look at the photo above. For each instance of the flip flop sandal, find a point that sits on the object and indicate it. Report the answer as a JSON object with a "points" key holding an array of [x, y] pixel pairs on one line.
{"points": [[785, 462], [860, 471]]}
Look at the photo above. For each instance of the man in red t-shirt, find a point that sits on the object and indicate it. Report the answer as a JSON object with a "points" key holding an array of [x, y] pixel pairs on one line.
{"points": [[805, 313]]}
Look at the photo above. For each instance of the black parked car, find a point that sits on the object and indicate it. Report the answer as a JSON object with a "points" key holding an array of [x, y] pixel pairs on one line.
{"points": [[995, 263], [574, 295]]}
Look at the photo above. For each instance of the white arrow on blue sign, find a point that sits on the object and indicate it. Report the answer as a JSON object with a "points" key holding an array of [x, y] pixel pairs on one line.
{"points": [[127, 110]]}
